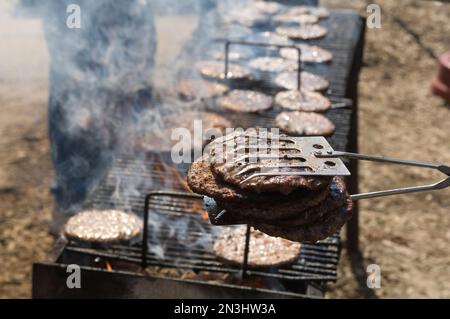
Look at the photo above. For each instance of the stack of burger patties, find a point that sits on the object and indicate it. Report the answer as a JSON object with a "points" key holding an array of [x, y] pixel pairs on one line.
{"points": [[298, 208]]}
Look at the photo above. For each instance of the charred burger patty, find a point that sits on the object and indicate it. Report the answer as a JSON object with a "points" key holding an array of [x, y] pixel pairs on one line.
{"points": [[297, 208]]}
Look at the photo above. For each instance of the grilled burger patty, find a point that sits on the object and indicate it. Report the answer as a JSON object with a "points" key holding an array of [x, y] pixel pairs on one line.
{"points": [[245, 101], [312, 232], [320, 12], [254, 14], [303, 100], [304, 123], [202, 180], [225, 165], [310, 82], [309, 53], [315, 223], [272, 64], [232, 55], [268, 37], [300, 19], [264, 250], [297, 205], [303, 32], [248, 17], [302, 209], [297, 10], [189, 90], [266, 7], [103, 226], [216, 70]]}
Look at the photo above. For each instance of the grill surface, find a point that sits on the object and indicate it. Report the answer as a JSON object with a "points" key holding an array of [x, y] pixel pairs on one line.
{"points": [[180, 237], [185, 240]]}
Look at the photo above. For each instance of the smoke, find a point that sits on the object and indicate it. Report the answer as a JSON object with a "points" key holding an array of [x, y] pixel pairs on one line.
{"points": [[7, 8], [108, 91]]}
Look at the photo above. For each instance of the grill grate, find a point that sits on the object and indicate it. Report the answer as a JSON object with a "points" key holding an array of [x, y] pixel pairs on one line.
{"points": [[185, 242], [185, 239], [180, 237]]}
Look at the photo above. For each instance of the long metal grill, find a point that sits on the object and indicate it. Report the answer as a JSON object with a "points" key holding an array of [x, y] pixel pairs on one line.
{"points": [[179, 235]]}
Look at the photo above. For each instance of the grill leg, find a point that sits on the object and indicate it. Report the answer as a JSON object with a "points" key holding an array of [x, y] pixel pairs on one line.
{"points": [[246, 250], [352, 226], [315, 291], [352, 231]]}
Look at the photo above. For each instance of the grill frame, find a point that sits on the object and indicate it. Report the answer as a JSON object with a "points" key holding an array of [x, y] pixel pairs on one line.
{"points": [[342, 72]]}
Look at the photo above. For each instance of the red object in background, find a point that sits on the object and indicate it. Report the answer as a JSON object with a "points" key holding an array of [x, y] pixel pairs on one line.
{"points": [[441, 83]]}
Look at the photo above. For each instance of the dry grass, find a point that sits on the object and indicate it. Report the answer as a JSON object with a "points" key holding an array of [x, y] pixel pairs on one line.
{"points": [[406, 235]]}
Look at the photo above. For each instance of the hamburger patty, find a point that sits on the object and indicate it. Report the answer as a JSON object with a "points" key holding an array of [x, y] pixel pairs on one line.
{"points": [[264, 250], [297, 10], [216, 70], [303, 100], [320, 12], [245, 101], [268, 37], [304, 123], [309, 81], [248, 17], [297, 208], [266, 7], [300, 18], [312, 232], [272, 64], [309, 53], [290, 211], [189, 90], [265, 210], [225, 165], [103, 226], [303, 32], [201, 180]]}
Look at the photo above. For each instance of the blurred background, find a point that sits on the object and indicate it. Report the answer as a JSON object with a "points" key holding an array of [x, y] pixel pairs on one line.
{"points": [[408, 236]]}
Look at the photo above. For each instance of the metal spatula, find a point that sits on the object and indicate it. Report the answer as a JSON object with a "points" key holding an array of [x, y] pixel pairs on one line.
{"points": [[317, 158]]}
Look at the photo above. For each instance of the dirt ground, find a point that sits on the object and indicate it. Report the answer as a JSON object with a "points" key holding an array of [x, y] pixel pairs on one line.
{"points": [[407, 236]]}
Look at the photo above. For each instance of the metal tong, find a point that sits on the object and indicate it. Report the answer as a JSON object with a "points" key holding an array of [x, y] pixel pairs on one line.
{"points": [[313, 156], [404, 190]]}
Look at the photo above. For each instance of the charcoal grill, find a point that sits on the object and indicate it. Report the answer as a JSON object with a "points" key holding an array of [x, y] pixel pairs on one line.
{"points": [[120, 270], [186, 238]]}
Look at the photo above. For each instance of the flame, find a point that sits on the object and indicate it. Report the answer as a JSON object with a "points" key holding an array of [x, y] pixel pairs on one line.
{"points": [[205, 216], [108, 265], [178, 180], [175, 174]]}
